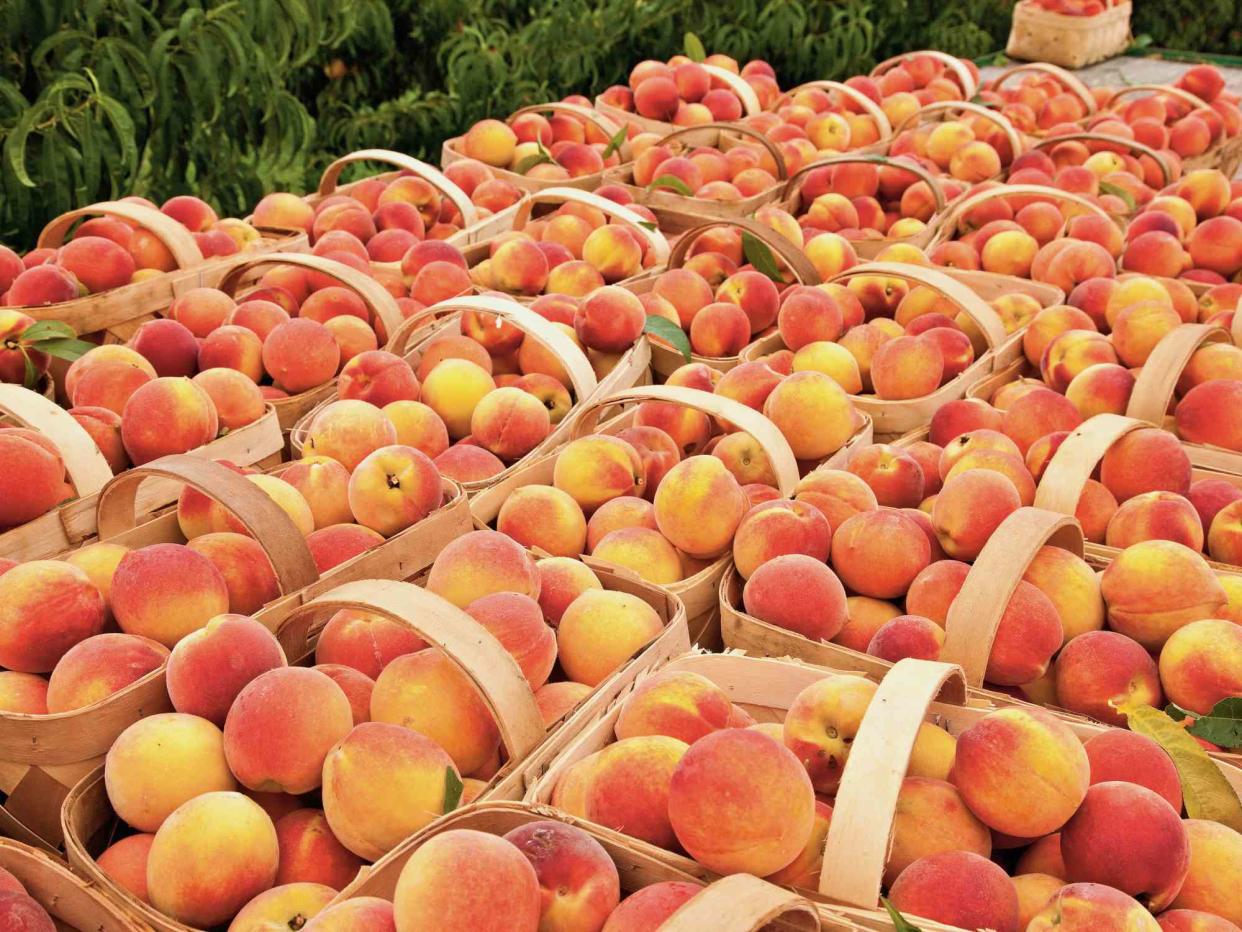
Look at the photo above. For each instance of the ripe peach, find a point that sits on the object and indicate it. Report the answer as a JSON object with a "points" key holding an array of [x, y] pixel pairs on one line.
{"points": [[1147, 460], [165, 416], [820, 611], [813, 412], [1155, 587], [364, 642], [597, 468], [25, 693], [480, 563], [394, 488], [1072, 587], [959, 888], [643, 551], [1100, 389], [289, 904], [248, 575], [516, 621], [1070, 353], [99, 666], [1080, 907], [349, 431], [1097, 668], [1215, 854], [698, 506], [879, 553], [614, 252], [1034, 891], [562, 580], [969, 508], [453, 389], [510, 423], [1155, 516], [301, 354], [34, 476], [1199, 664], [578, 880], [600, 631], [165, 591], [1208, 414], [125, 864], [962, 416], [210, 666], [776, 528], [288, 498], [1116, 754], [1037, 414]]}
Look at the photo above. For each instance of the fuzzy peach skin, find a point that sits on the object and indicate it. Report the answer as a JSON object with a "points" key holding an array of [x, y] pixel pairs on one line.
{"points": [[23, 692], [281, 727], [453, 389], [1155, 516], [1099, 668], [160, 762], [94, 669], [1071, 585], [125, 863], [818, 612], [171, 415], [1155, 587], [356, 686], [1021, 771], [212, 856], [324, 483], [1193, 920], [1130, 838], [836, 493], [99, 562], [958, 888], [1028, 635], [776, 528], [516, 621], [288, 905], [740, 802], [364, 641], [166, 591], [381, 784], [311, 853], [598, 468], [556, 700], [969, 508], [46, 607], [645, 909], [821, 723], [210, 666], [1215, 860], [480, 563], [600, 631], [427, 693], [813, 412], [628, 511], [1147, 460], [625, 787], [931, 817], [699, 506], [1128, 756], [879, 553], [362, 912], [643, 551], [348, 431], [1092, 907], [681, 705], [339, 543], [248, 575], [394, 488], [545, 517], [579, 884], [1034, 891], [864, 616], [1200, 664]]}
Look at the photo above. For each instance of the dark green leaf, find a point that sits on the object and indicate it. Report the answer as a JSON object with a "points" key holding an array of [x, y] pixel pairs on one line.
{"points": [[32, 374], [760, 256], [452, 789], [672, 182], [1107, 187], [694, 47], [666, 330], [900, 922], [531, 161], [46, 330], [648, 225], [616, 142], [1222, 726], [68, 349]]}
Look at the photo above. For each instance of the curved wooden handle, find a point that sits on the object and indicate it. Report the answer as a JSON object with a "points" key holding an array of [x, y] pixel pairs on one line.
{"points": [[1184, 96], [471, 647], [605, 125], [976, 613], [655, 239], [429, 173], [1076, 458], [1067, 80], [86, 466], [962, 106], [978, 310], [1157, 380], [737, 84], [862, 814], [794, 257], [575, 361], [741, 903], [782, 171], [883, 160], [1132, 144], [960, 71], [780, 455], [873, 109], [959, 208], [379, 302], [176, 238], [266, 521]]}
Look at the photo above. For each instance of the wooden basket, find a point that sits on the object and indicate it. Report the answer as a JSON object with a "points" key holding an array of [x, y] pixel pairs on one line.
{"points": [[954, 66], [451, 152], [947, 109], [132, 304], [664, 359], [1225, 155], [791, 199], [697, 592], [859, 99], [946, 228], [1070, 41], [679, 213], [740, 903], [1133, 146], [737, 84], [75, 521], [1066, 79], [385, 315], [75, 905]]}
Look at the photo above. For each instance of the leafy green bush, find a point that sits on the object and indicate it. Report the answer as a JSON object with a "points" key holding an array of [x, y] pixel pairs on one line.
{"points": [[229, 99]]}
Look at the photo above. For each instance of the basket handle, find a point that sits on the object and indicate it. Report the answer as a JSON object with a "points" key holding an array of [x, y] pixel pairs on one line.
{"points": [[85, 464], [1067, 80], [780, 455], [1132, 144], [471, 648], [429, 173], [963, 106], [857, 159], [976, 613], [382, 305], [266, 521], [1075, 460], [861, 827], [742, 903], [176, 238], [960, 71], [544, 331], [558, 195], [1184, 96], [606, 126], [948, 223], [738, 85], [978, 310], [872, 109], [1157, 380], [782, 170], [794, 257]]}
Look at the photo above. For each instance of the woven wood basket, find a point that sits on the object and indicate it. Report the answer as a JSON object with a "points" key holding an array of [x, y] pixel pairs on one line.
{"points": [[1040, 35]]}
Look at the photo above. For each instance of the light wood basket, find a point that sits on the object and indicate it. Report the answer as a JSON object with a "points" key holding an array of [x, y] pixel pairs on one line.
{"points": [[954, 66], [1066, 79], [947, 228], [737, 84], [939, 110], [1225, 155], [1070, 41], [75, 905]]}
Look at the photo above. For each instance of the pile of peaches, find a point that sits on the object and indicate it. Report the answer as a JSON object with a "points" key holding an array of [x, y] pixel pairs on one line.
{"points": [[551, 148]]}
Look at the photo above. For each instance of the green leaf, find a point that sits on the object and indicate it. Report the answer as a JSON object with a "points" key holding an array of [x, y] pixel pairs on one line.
{"points": [[672, 182], [1107, 187], [452, 789], [531, 161], [46, 330], [694, 47], [760, 256], [1205, 791], [1141, 41], [900, 923], [648, 225], [1222, 726], [67, 349], [616, 142], [664, 329], [31, 378]]}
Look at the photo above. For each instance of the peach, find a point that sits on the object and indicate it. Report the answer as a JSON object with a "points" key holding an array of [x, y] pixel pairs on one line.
{"points": [[338, 543], [813, 412], [1155, 587], [165, 416], [821, 724], [1070, 353], [480, 563], [698, 506], [836, 493], [452, 346], [1216, 245], [1155, 516], [453, 389], [1050, 323], [237, 399], [879, 553], [289, 500], [510, 423], [394, 488], [1193, 920], [1021, 754], [579, 883], [1210, 496], [210, 666], [907, 636], [125, 864], [160, 762], [820, 612], [490, 142], [301, 354], [647, 908], [808, 315], [720, 330], [324, 484], [418, 426], [1130, 757], [410, 767], [1092, 907], [1147, 460], [933, 590], [628, 511], [1034, 891], [614, 252], [600, 631], [1214, 361], [598, 468], [360, 912], [1037, 414], [165, 591], [283, 211], [1208, 414], [1043, 857], [643, 551], [777, 528], [353, 336], [959, 888], [1199, 664], [969, 508], [41, 285], [1155, 253], [1099, 668], [24, 693], [213, 855], [378, 377], [557, 700], [364, 642], [1215, 854], [755, 294], [685, 706], [348, 431], [962, 416], [33, 476], [288, 904], [356, 686], [1101, 389], [172, 350], [544, 517], [516, 621], [1137, 329], [906, 367], [94, 669], [1072, 587], [104, 427], [248, 575]]}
